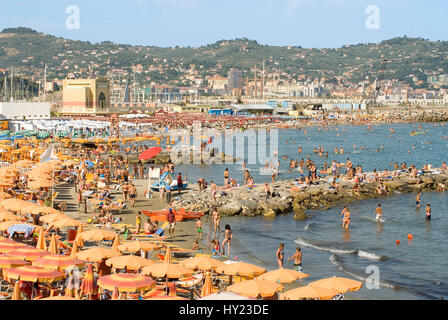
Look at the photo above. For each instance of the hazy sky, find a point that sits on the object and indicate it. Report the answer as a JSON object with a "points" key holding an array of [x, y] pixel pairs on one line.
{"points": [[307, 23]]}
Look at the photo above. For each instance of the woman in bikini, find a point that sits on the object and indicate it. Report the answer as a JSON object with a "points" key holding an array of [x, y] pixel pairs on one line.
{"points": [[227, 239]]}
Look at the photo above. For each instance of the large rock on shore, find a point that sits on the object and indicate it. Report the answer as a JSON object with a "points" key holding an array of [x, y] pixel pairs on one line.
{"points": [[230, 209]]}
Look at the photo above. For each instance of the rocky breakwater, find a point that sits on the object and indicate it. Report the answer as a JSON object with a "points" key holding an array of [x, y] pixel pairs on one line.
{"points": [[253, 202]]}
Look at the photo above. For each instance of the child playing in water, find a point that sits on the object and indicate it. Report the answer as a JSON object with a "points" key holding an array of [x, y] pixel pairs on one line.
{"points": [[345, 215]]}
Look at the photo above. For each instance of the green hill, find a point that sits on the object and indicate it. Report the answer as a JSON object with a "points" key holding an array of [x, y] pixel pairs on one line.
{"points": [[28, 50]]}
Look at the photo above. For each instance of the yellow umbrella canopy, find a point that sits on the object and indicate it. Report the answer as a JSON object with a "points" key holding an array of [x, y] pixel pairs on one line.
{"points": [[8, 216], [126, 282], [341, 285], [97, 235], [129, 262], [255, 288], [136, 246], [169, 270], [283, 276], [309, 292], [241, 269], [57, 262], [34, 274], [202, 263], [96, 254]]}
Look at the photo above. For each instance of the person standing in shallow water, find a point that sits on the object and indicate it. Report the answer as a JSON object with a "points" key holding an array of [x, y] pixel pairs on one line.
{"points": [[227, 239], [428, 212], [418, 199], [280, 255], [297, 257]]}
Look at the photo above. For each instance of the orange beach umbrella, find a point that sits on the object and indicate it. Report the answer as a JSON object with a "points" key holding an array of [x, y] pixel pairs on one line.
{"points": [[241, 269], [8, 262], [41, 243], [96, 254], [135, 246], [28, 253], [129, 262], [255, 288], [283, 275], [57, 262], [169, 270], [202, 263], [341, 285], [16, 292], [34, 274], [126, 282], [8, 216], [53, 248], [309, 292], [97, 235]]}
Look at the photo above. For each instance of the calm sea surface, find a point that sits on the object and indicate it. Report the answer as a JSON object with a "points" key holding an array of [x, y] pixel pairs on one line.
{"points": [[415, 269]]}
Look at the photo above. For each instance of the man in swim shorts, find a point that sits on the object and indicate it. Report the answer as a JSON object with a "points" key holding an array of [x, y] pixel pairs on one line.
{"points": [[418, 199], [297, 256]]}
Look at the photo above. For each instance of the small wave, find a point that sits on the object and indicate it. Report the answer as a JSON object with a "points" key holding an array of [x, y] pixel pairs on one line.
{"points": [[336, 262], [360, 253], [369, 255], [307, 244], [308, 226]]}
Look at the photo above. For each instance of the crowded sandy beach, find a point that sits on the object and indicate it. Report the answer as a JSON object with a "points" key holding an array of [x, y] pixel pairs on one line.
{"points": [[90, 214]]}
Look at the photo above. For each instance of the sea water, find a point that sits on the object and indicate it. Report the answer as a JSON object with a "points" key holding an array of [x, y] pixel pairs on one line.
{"points": [[416, 269]]}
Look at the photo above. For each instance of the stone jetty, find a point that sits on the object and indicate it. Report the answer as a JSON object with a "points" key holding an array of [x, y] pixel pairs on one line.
{"points": [[253, 202]]}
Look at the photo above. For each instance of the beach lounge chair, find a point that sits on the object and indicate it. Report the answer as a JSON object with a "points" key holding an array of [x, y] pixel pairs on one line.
{"points": [[161, 230]]}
